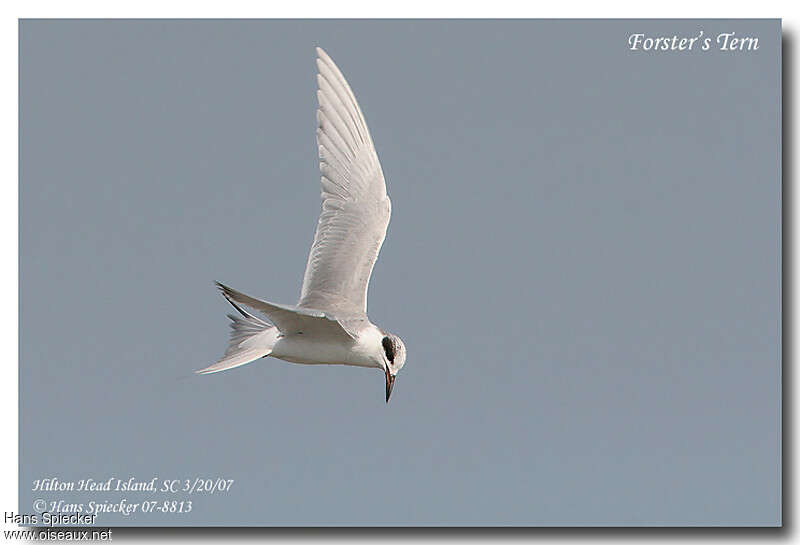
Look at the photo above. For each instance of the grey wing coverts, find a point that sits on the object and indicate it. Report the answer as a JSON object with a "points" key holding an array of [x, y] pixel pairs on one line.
{"points": [[355, 206]]}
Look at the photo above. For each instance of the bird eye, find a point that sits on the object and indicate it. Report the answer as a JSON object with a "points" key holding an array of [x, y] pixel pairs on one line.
{"points": [[388, 347]]}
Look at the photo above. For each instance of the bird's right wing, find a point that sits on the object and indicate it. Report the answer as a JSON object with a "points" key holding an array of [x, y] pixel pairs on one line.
{"points": [[355, 206]]}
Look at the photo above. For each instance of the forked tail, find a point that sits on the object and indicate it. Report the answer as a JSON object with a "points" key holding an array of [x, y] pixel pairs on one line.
{"points": [[251, 338]]}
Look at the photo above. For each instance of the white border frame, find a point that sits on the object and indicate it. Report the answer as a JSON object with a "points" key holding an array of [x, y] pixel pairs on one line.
{"points": [[14, 10]]}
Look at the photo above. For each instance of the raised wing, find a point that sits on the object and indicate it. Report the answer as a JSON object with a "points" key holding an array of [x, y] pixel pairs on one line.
{"points": [[355, 207]]}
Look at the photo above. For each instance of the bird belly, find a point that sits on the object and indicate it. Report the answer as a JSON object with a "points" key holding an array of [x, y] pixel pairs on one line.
{"points": [[307, 350]]}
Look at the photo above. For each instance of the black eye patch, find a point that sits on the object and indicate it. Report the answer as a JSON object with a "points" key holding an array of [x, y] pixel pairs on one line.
{"points": [[388, 347]]}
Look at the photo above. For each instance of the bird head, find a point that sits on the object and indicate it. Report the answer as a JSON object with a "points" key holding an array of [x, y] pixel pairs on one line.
{"points": [[394, 357]]}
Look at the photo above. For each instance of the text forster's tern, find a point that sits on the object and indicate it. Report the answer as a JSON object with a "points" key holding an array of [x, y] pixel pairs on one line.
{"points": [[329, 324]]}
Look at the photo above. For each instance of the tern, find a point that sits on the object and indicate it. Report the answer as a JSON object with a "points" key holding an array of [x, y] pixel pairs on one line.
{"points": [[329, 324]]}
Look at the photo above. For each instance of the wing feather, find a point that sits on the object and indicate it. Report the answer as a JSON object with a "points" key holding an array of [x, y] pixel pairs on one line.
{"points": [[355, 206], [289, 319]]}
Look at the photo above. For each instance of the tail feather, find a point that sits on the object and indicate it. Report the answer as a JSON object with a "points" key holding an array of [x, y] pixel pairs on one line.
{"points": [[251, 338]]}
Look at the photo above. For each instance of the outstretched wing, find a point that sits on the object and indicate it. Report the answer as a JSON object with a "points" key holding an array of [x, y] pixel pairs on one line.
{"points": [[355, 207]]}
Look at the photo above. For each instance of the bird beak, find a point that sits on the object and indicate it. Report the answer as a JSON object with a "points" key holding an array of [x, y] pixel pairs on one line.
{"points": [[389, 383]]}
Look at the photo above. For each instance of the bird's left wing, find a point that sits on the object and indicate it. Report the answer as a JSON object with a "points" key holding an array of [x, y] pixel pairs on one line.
{"points": [[355, 206], [291, 320]]}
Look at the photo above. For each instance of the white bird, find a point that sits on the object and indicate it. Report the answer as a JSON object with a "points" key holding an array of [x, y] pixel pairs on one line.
{"points": [[329, 324]]}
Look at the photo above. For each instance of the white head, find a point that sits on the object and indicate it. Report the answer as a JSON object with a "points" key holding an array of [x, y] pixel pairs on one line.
{"points": [[393, 358]]}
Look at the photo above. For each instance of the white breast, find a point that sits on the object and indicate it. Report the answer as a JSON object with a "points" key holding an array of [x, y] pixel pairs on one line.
{"points": [[309, 350]]}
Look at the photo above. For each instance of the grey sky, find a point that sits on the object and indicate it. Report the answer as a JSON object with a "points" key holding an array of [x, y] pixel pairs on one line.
{"points": [[583, 261]]}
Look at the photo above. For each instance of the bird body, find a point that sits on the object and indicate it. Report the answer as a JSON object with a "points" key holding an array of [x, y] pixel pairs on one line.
{"points": [[329, 325], [311, 349]]}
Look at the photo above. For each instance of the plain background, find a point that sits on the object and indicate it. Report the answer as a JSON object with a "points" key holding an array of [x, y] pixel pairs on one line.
{"points": [[583, 261]]}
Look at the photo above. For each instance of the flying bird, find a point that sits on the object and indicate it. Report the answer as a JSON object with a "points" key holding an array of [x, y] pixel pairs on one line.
{"points": [[329, 324]]}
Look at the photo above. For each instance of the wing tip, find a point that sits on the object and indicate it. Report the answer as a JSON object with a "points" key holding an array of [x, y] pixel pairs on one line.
{"points": [[227, 293], [323, 59]]}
